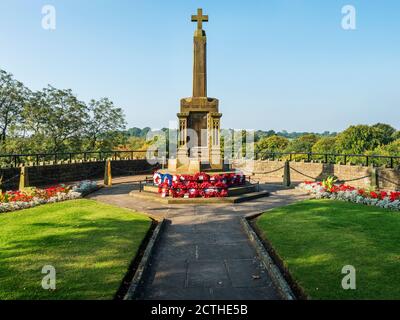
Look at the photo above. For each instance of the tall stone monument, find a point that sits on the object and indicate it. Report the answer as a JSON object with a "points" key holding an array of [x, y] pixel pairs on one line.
{"points": [[199, 117]]}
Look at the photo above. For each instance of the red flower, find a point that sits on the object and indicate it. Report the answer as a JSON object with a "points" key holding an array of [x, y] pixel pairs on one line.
{"points": [[383, 194], [394, 196], [373, 195]]}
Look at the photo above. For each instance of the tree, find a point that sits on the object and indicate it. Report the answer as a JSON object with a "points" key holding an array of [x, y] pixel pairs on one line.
{"points": [[136, 143], [391, 149], [273, 143], [58, 117], [134, 132], [259, 134], [388, 132], [104, 121], [13, 96], [303, 143], [325, 145], [358, 139]]}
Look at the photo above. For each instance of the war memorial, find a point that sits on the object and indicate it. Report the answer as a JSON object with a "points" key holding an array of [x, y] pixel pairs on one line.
{"points": [[91, 209]]}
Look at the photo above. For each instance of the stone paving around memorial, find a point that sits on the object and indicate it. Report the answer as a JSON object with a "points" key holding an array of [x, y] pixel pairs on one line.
{"points": [[203, 253]]}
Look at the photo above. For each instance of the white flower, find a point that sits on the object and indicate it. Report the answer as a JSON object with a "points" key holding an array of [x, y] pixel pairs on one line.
{"points": [[318, 192], [74, 193]]}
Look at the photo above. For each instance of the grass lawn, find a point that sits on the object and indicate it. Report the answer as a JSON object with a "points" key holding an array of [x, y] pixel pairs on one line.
{"points": [[316, 238], [90, 244]]}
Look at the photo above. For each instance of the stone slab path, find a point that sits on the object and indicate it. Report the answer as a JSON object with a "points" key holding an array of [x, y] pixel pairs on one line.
{"points": [[203, 252]]}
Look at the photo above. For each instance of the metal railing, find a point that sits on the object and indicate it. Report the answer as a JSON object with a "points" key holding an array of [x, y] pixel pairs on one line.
{"points": [[336, 158], [37, 159]]}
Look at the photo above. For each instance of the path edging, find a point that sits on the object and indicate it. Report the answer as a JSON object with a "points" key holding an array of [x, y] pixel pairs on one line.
{"points": [[144, 262], [280, 282], [85, 194]]}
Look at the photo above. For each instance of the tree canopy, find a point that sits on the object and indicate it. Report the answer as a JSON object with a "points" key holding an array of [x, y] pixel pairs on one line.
{"points": [[55, 120]]}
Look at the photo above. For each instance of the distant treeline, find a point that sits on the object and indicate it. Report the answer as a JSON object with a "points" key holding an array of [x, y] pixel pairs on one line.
{"points": [[55, 120], [377, 139], [259, 134]]}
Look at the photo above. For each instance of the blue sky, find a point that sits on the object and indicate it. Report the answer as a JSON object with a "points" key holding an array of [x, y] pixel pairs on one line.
{"points": [[277, 64]]}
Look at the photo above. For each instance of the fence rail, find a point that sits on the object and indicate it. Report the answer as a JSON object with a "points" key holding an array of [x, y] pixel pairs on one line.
{"points": [[361, 159], [37, 159], [16, 160]]}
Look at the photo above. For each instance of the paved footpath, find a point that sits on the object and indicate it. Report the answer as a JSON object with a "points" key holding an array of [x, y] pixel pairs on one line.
{"points": [[203, 252]]}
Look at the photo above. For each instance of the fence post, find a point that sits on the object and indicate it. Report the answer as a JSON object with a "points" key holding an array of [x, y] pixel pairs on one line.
{"points": [[23, 179], [163, 162], [107, 174], [374, 177], [286, 175]]}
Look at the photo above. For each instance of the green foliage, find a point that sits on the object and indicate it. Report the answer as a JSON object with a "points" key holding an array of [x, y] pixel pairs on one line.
{"points": [[325, 145], [273, 143], [387, 130], [303, 143], [259, 134], [57, 115], [104, 124], [329, 182], [359, 139], [13, 96], [391, 149], [137, 132], [54, 120], [135, 143]]}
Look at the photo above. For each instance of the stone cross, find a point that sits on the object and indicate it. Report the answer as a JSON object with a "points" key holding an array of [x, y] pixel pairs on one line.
{"points": [[200, 59], [199, 19], [198, 114]]}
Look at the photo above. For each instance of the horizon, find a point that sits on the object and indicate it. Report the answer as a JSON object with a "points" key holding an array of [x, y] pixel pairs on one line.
{"points": [[288, 66]]}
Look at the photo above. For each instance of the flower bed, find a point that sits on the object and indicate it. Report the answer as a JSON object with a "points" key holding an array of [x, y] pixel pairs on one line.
{"points": [[31, 197], [382, 199], [198, 185]]}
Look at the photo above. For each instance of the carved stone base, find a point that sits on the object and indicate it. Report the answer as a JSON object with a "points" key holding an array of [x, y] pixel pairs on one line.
{"points": [[216, 161]]}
